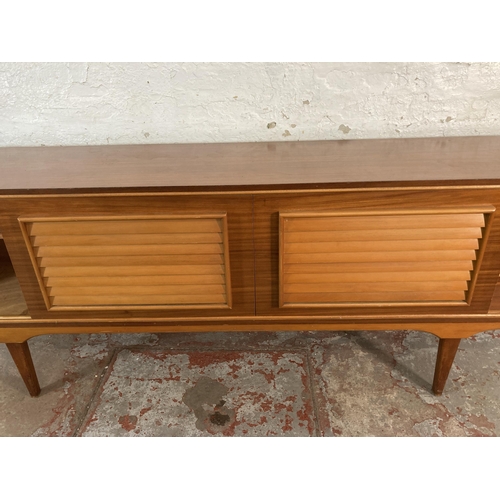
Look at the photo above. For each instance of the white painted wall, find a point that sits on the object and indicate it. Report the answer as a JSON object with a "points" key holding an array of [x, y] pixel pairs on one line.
{"points": [[121, 103]]}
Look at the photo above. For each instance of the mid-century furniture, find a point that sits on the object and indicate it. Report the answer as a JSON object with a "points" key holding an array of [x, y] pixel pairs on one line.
{"points": [[322, 235]]}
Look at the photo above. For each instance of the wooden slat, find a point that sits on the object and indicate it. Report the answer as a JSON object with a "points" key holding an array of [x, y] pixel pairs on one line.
{"points": [[390, 234], [138, 250], [328, 258], [135, 300], [132, 270], [359, 277], [381, 246], [174, 279], [138, 290], [331, 222], [124, 239], [140, 226], [312, 299], [138, 260], [403, 286], [380, 267]]}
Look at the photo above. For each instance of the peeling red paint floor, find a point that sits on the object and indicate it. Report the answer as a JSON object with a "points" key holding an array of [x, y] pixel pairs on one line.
{"points": [[193, 393], [252, 384]]}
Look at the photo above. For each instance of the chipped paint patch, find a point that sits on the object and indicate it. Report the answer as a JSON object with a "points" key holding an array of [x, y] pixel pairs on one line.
{"points": [[128, 422], [378, 384], [219, 393]]}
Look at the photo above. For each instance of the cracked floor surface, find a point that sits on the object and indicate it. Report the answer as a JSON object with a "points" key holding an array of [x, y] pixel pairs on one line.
{"points": [[252, 384]]}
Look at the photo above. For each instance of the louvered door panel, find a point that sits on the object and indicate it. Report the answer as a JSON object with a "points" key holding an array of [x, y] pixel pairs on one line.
{"points": [[131, 263], [395, 258]]}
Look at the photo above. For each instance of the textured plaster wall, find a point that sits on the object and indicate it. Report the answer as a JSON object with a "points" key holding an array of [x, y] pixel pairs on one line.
{"points": [[120, 103]]}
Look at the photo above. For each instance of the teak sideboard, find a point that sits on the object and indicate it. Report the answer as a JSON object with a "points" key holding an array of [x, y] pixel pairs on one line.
{"points": [[319, 235]]}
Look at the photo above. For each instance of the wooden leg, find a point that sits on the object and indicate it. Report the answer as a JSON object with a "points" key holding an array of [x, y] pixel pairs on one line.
{"points": [[22, 358], [445, 356]]}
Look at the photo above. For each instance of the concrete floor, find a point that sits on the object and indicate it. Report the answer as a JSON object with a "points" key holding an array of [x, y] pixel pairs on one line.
{"points": [[252, 384]]}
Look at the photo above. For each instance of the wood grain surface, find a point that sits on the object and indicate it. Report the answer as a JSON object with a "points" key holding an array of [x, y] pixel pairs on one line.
{"points": [[266, 165]]}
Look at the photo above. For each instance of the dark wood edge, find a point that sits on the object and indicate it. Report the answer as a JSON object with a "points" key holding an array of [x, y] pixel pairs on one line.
{"points": [[447, 350], [268, 188], [22, 358]]}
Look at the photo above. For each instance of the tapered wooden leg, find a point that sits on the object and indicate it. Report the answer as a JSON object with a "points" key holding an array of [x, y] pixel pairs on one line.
{"points": [[445, 356], [22, 358]]}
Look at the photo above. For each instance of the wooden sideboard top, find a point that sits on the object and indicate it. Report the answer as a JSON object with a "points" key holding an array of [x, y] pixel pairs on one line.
{"points": [[247, 166]]}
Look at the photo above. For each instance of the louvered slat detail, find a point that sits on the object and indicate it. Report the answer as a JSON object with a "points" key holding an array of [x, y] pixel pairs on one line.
{"points": [[136, 263], [415, 257]]}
